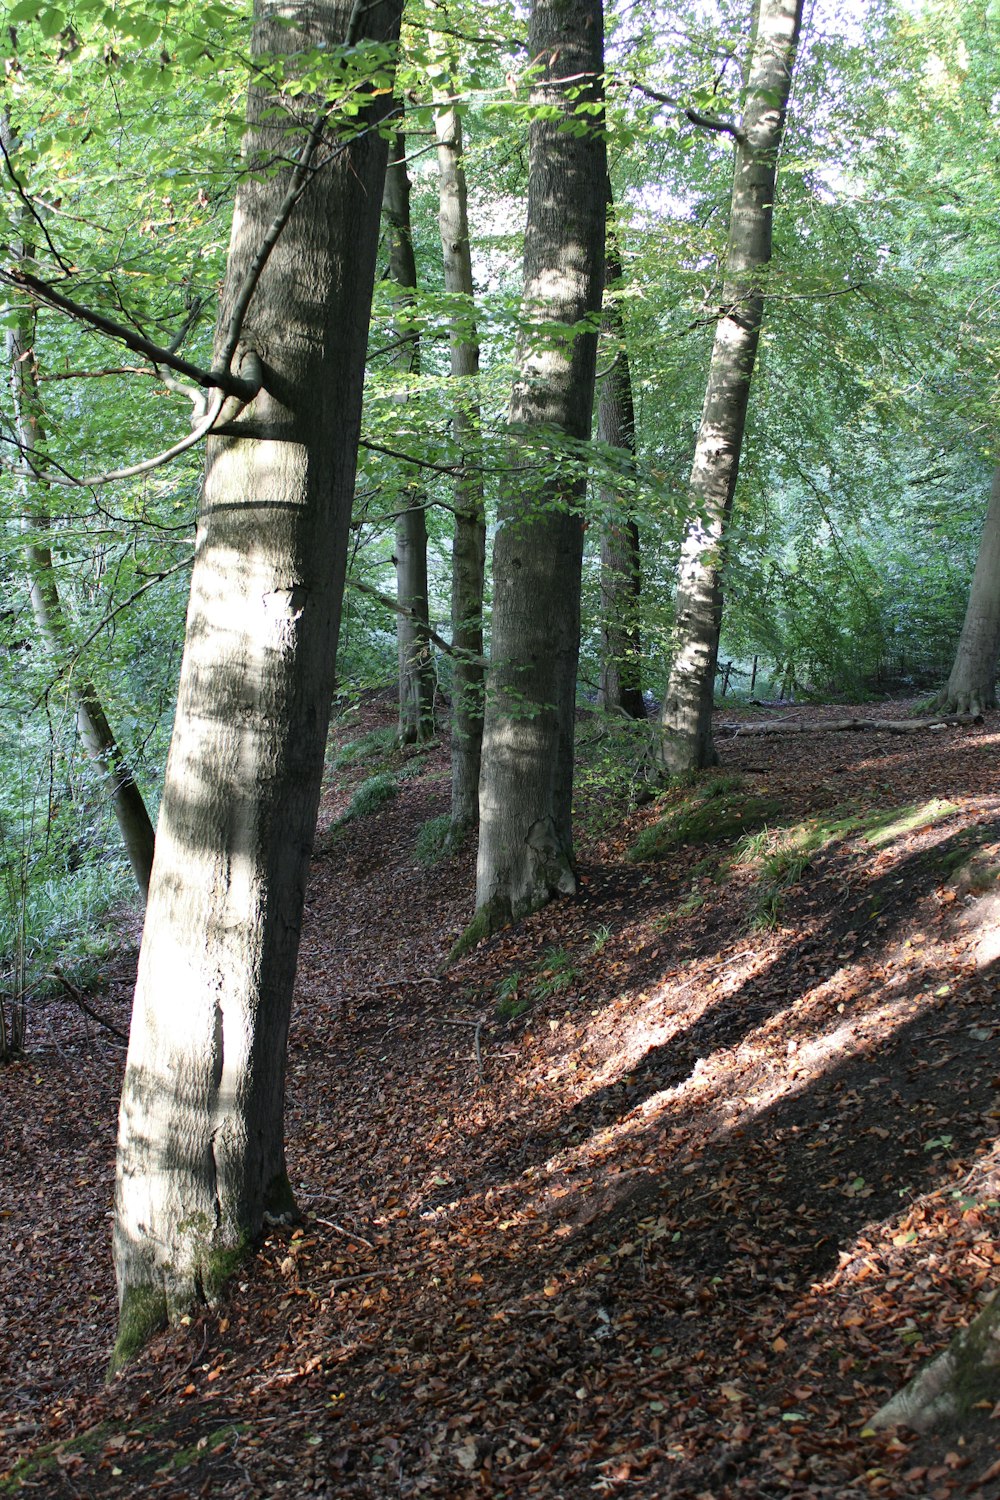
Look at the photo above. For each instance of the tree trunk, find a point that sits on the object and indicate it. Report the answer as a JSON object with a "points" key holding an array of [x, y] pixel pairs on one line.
{"points": [[526, 786], [971, 688], [945, 1391], [53, 626], [201, 1162], [416, 668], [469, 546], [620, 688], [686, 723]]}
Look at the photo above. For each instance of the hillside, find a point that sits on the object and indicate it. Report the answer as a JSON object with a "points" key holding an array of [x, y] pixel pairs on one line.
{"points": [[661, 1193]]}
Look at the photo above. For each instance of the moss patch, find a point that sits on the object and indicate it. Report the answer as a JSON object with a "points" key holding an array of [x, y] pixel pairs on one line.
{"points": [[143, 1313], [714, 815]]}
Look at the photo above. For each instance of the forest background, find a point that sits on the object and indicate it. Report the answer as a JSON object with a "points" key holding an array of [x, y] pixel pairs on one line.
{"points": [[869, 448]]}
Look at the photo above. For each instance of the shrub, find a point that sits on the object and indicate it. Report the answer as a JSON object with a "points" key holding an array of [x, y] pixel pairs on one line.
{"points": [[371, 796]]}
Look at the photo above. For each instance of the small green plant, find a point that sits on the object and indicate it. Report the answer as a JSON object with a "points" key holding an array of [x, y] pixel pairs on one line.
{"points": [[686, 908], [510, 1002], [723, 786], [600, 938], [557, 974], [371, 796], [432, 840]]}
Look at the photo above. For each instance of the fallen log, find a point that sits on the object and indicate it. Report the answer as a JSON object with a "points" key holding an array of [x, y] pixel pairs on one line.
{"points": [[886, 726]]}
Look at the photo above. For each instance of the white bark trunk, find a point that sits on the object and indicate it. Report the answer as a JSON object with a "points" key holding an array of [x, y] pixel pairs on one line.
{"points": [[201, 1148], [526, 785], [971, 687], [687, 708], [469, 547]]}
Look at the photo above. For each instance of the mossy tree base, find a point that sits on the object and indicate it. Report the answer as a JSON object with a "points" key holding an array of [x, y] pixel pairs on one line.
{"points": [[947, 1390], [143, 1313]]}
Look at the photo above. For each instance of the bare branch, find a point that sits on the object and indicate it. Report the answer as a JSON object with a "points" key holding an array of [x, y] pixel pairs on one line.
{"points": [[219, 379], [706, 122], [409, 614]]}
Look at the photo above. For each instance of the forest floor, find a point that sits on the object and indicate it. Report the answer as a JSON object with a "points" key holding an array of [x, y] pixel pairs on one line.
{"points": [[661, 1193]]}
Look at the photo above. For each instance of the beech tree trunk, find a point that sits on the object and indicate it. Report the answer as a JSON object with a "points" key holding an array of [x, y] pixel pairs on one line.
{"points": [[416, 667], [947, 1390], [971, 688], [620, 689], [201, 1162], [54, 627], [469, 546], [526, 786], [686, 740]]}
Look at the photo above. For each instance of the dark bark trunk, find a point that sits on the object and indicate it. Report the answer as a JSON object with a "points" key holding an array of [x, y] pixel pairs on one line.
{"points": [[620, 688], [416, 667], [526, 786], [469, 547], [687, 708], [201, 1163], [971, 687]]}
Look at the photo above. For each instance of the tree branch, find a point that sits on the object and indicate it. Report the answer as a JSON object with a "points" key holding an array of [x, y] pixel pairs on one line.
{"points": [[409, 614], [219, 379], [706, 122]]}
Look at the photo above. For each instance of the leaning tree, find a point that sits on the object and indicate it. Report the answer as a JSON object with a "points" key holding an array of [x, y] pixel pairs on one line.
{"points": [[201, 1163]]}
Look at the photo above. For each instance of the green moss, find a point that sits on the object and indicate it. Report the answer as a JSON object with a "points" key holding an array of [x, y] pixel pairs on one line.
{"points": [[371, 796], [143, 1313], [375, 745], [479, 928], [976, 1353], [884, 828], [717, 817]]}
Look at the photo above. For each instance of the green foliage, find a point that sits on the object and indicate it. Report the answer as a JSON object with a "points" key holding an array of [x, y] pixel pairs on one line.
{"points": [[554, 972], [432, 840], [371, 796], [511, 1002]]}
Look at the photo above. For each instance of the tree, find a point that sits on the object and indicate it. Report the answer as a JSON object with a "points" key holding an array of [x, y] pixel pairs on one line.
{"points": [[416, 668], [201, 1145], [526, 785], [960, 1378], [971, 687], [469, 545], [96, 734], [686, 720], [621, 576]]}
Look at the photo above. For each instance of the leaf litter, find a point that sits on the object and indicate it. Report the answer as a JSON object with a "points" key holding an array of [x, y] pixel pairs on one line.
{"points": [[676, 1226]]}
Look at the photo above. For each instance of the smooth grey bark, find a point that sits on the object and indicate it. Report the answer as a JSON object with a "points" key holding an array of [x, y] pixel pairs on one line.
{"points": [[945, 1391], [416, 667], [620, 689], [201, 1161], [686, 723], [971, 687], [51, 620], [526, 785], [469, 545]]}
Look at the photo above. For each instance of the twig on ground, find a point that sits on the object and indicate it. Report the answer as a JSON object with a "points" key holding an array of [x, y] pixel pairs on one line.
{"points": [[88, 1010], [347, 1234]]}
